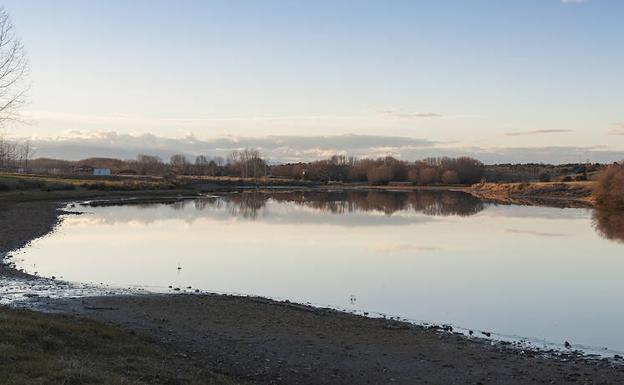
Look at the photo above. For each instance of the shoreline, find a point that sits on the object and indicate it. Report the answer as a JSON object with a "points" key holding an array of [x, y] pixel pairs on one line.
{"points": [[557, 194], [244, 332]]}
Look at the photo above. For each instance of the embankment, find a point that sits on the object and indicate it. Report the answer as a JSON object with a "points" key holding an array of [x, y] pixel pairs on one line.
{"points": [[577, 194]]}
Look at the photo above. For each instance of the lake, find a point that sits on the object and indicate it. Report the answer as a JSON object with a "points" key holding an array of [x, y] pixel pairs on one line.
{"points": [[546, 274]]}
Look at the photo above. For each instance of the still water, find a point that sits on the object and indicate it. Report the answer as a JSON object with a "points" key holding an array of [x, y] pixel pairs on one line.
{"points": [[551, 274]]}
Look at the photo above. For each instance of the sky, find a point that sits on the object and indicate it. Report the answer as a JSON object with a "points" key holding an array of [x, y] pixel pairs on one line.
{"points": [[513, 80]]}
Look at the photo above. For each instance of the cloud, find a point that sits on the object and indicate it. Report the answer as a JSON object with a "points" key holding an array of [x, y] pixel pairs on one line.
{"points": [[538, 132], [82, 144], [536, 233], [411, 115], [618, 130], [79, 144], [404, 247]]}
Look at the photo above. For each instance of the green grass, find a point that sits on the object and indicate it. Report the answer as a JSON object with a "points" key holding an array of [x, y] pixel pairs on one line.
{"points": [[37, 348], [33, 187]]}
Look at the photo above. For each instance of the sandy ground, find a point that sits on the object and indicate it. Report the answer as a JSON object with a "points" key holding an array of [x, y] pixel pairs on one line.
{"points": [[263, 342]]}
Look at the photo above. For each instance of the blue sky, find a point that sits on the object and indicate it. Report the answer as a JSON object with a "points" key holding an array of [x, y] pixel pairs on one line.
{"points": [[464, 76]]}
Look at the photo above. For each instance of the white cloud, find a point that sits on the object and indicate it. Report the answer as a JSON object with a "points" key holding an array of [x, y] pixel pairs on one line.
{"points": [[80, 145], [538, 132], [618, 130]]}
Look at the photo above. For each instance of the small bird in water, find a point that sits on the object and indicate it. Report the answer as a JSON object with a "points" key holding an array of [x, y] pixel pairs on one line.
{"points": [[567, 345], [179, 268]]}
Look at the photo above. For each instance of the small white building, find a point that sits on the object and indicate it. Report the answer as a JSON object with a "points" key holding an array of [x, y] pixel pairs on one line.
{"points": [[101, 171]]}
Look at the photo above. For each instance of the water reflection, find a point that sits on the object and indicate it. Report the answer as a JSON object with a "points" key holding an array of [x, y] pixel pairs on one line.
{"points": [[253, 205], [439, 256], [434, 203], [609, 224]]}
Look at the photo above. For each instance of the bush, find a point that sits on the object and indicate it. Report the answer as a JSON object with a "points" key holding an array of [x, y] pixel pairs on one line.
{"points": [[580, 178], [4, 187], [609, 188], [544, 177], [566, 178]]}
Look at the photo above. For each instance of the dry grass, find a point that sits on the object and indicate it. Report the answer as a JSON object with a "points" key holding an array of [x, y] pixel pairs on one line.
{"points": [[534, 188], [560, 191], [40, 348]]}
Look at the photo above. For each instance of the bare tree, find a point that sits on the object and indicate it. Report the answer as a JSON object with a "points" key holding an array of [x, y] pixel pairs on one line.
{"points": [[248, 163], [149, 165], [179, 163], [13, 69], [201, 165]]}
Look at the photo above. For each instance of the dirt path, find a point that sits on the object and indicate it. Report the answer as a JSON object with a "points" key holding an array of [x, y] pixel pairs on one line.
{"points": [[265, 342]]}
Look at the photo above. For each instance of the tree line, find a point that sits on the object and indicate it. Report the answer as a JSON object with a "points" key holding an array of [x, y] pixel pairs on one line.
{"points": [[249, 163], [382, 171], [14, 156]]}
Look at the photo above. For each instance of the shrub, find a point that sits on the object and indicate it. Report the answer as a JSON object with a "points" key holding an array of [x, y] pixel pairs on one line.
{"points": [[566, 178], [609, 188], [4, 187], [580, 178], [544, 177]]}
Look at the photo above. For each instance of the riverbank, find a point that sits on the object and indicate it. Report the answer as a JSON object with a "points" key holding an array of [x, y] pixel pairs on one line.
{"points": [[255, 340], [577, 194], [260, 341]]}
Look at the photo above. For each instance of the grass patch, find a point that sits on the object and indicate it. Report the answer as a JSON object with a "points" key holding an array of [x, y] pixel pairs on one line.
{"points": [[19, 188], [37, 348]]}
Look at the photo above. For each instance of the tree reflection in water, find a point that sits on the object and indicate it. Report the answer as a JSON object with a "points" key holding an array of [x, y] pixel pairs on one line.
{"points": [[249, 204], [609, 224]]}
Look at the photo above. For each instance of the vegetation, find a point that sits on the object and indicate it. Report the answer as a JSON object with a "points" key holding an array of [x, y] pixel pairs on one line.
{"points": [[538, 172], [41, 348], [609, 188]]}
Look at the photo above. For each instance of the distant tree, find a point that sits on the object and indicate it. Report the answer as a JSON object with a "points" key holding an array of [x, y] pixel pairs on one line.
{"points": [[201, 165], [247, 163], [380, 175], [179, 164], [450, 177], [149, 165], [428, 175]]}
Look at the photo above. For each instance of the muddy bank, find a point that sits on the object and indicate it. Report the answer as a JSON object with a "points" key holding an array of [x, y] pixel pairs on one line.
{"points": [[569, 194], [22, 222], [265, 342]]}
